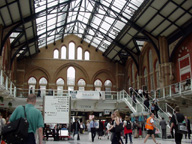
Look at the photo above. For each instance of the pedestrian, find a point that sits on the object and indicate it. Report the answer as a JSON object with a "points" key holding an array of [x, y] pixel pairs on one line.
{"points": [[172, 134], [34, 118], [163, 125], [100, 130], [180, 118], [128, 129], [108, 128], [117, 134], [152, 108], [76, 128], [150, 128], [146, 103], [187, 121], [93, 126]]}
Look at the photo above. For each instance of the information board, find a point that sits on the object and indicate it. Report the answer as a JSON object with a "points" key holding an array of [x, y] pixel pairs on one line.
{"points": [[56, 109]]}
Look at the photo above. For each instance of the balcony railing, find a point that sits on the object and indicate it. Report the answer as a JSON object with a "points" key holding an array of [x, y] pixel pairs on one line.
{"points": [[40, 93], [175, 90]]}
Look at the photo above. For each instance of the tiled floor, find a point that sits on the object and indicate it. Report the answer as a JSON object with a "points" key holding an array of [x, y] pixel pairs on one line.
{"points": [[84, 139]]}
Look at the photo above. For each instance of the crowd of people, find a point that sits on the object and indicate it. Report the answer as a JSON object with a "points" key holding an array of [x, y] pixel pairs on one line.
{"points": [[118, 129]]}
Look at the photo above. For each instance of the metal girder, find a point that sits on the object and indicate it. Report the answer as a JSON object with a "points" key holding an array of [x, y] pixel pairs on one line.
{"points": [[135, 26], [80, 3], [9, 11], [187, 30], [18, 3], [25, 20], [95, 7], [100, 26], [66, 20], [106, 36]]}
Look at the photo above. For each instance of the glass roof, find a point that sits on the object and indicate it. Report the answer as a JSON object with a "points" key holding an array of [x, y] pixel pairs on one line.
{"points": [[97, 22]]}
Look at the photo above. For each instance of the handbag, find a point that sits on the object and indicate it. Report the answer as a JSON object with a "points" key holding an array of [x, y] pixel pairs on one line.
{"points": [[181, 128], [16, 131]]}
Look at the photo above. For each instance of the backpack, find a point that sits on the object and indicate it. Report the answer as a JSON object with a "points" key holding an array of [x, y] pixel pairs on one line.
{"points": [[128, 126], [16, 131]]}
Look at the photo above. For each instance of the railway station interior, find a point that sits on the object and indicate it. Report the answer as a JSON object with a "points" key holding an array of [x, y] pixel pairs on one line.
{"points": [[99, 53]]}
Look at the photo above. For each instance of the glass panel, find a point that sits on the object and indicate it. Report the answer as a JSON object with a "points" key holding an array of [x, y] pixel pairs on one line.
{"points": [[70, 76], [81, 82], [87, 55], [60, 81], [71, 50], [43, 81], [63, 52], [32, 80], [79, 53], [108, 83], [56, 54], [108, 11]]}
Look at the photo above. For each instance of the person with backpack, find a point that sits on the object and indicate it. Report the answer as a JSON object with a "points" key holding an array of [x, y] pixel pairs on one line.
{"points": [[34, 118], [127, 129]]}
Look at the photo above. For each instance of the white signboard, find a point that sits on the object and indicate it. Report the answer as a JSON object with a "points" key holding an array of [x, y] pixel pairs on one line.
{"points": [[56, 109], [93, 95]]}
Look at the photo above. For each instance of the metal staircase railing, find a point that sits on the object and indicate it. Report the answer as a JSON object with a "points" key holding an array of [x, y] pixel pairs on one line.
{"points": [[136, 107]]}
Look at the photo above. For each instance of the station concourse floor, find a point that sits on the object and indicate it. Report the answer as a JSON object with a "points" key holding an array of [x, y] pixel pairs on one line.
{"points": [[84, 139]]}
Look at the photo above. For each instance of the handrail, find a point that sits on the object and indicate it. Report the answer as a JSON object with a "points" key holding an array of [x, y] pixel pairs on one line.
{"points": [[141, 98], [137, 102], [175, 89]]}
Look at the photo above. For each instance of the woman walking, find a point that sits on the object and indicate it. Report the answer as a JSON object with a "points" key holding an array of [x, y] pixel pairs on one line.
{"points": [[127, 129]]}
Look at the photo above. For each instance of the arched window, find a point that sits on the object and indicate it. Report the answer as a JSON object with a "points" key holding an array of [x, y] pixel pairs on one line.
{"points": [[108, 85], [63, 52], [145, 77], [60, 84], [87, 55], [42, 89], [97, 85], [157, 73], [56, 54], [71, 50], [81, 84], [32, 83], [70, 78], [79, 53]]}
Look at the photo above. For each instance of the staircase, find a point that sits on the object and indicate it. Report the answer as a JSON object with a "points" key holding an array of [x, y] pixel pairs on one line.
{"points": [[137, 108]]}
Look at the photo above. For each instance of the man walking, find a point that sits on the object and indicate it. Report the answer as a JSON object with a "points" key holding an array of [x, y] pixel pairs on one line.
{"points": [[180, 118], [150, 128], [34, 118], [76, 128], [163, 125], [93, 126]]}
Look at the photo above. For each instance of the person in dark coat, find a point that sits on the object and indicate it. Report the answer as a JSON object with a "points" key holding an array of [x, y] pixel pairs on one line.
{"points": [[163, 125], [100, 130], [146, 103], [180, 118], [76, 128], [55, 132], [187, 121]]}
